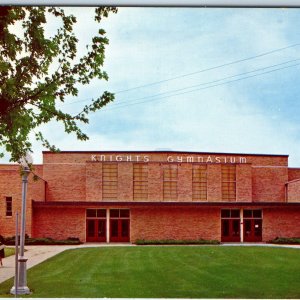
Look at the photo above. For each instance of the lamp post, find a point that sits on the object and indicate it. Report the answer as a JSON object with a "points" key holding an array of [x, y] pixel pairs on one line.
{"points": [[22, 278]]}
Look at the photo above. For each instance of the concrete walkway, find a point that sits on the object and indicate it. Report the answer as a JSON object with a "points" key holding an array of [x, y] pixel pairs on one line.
{"points": [[38, 254]]}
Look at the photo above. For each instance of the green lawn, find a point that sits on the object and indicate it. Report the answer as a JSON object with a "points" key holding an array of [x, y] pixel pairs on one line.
{"points": [[165, 272], [9, 251]]}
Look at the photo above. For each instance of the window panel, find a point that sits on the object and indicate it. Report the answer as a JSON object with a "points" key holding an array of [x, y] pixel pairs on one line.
{"points": [[140, 182], [8, 206], [229, 182], [109, 181], [170, 175], [199, 182]]}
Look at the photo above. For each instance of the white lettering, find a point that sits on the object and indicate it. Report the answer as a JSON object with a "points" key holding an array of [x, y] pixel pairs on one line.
{"points": [[101, 158], [170, 159], [93, 158], [119, 158], [218, 160], [200, 159], [179, 159], [138, 158], [128, 158], [146, 158], [209, 159], [190, 159], [243, 160], [232, 160]]}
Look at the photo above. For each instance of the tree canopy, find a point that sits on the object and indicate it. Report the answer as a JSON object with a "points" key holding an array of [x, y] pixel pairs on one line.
{"points": [[37, 72]]}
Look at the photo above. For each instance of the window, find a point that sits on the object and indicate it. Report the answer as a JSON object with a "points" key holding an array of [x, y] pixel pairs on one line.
{"points": [[228, 182], [199, 182], [140, 182], [252, 213], [8, 206], [109, 181], [96, 213], [119, 213], [170, 173], [230, 213]]}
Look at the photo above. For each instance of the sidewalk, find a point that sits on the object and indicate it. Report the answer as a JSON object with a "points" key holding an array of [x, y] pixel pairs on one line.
{"points": [[37, 254]]}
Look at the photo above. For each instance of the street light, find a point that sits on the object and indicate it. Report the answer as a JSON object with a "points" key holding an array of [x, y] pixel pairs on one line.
{"points": [[22, 278]]}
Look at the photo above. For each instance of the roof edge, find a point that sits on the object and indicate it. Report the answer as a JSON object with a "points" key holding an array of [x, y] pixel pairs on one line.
{"points": [[165, 151]]}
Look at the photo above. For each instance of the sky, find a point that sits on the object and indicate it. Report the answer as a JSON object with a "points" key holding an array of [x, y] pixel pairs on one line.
{"points": [[191, 79]]}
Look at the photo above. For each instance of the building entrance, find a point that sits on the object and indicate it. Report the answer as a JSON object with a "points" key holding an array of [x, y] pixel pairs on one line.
{"points": [[252, 225], [96, 225], [230, 225], [119, 225]]}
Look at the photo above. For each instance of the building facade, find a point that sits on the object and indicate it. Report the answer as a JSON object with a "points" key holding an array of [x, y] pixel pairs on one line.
{"points": [[125, 196]]}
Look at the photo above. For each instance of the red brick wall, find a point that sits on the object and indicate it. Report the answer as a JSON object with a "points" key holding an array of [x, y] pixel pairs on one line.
{"points": [[65, 182], [93, 182], [293, 191], [294, 173], [59, 222], [11, 186], [279, 222], [244, 183], [214, 183], [175, 223], [269, 184]]}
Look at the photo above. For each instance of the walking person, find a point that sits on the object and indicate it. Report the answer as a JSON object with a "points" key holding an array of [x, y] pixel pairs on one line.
{"points": [[2, 255]]}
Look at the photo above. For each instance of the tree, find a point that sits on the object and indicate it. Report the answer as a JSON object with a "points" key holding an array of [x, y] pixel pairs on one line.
{"points": [[36, 72]]}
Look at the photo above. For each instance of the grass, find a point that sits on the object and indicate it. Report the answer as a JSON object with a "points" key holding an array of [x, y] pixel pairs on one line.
{"points": [[167, 272], [9, 251]]}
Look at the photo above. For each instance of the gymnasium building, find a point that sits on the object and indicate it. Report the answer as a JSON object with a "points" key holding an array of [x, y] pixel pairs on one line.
{"points": [[122, 196]]}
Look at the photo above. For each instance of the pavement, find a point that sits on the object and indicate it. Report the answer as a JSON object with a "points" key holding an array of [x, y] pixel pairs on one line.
{"points": [[38, 254]]}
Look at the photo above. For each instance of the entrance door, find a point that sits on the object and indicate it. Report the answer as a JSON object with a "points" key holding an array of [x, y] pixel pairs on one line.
{"points": [[231, 230], [252, 226], [119, 225], [96, 225], [96, 230], [230, 225]]}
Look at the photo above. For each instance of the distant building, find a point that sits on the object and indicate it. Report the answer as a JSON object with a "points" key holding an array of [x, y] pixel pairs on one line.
{"points": [[121, 196]]}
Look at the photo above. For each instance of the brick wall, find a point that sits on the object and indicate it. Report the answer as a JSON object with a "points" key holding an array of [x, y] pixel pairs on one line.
{"points": [[278, 222], [293, 191], [268, 184], [294, 173], [59, 223], [11, 186], [175, 223], [66, 181]]}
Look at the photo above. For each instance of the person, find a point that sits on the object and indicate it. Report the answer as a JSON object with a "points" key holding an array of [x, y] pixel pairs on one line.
{"points": [[2, 255]]}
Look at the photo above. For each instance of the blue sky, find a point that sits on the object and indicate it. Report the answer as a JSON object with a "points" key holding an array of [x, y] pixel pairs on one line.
{"points": [[154, 45]]}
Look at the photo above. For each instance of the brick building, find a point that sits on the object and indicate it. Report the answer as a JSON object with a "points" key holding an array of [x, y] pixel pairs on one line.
{"points": [[124, 196]]}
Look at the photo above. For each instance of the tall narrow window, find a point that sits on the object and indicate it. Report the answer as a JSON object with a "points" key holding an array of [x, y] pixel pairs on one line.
{"points": [[109, 181], [199, 182], [170, 182], [8, 206], [140, 182], [228, 182]]}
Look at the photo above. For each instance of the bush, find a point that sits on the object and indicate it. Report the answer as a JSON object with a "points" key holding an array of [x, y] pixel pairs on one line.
{"points": [[42, 241], [177, 242], [283, 240]]}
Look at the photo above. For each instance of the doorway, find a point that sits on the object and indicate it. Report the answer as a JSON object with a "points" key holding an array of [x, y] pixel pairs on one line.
{"points": [[119, 225], [252, 225], [230, 225], [96, 225]]}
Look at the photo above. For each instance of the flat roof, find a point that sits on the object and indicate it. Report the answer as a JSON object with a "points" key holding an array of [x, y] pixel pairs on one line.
{"points": [[95, 204], [164, 151]]}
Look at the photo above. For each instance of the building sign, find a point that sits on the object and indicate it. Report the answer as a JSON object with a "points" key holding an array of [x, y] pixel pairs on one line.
{"points": [[171, 158]]}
